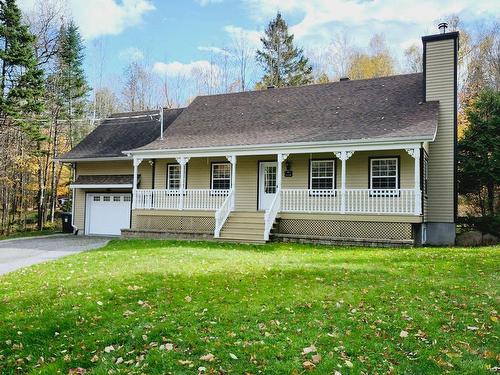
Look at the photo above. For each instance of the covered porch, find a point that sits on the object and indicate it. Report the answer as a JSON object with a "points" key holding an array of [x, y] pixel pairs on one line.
{"points": [[356, 182]]}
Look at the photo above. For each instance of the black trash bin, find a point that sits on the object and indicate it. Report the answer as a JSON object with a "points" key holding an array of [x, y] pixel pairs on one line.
{"points": [[66, 222]]}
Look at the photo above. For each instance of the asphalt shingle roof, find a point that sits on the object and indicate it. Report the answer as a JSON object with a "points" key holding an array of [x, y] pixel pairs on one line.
{"points": [[104, 180], [380, 108], [121, 131]]}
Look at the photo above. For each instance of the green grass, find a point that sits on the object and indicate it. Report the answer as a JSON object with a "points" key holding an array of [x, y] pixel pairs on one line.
{"points": [[254, 308]]}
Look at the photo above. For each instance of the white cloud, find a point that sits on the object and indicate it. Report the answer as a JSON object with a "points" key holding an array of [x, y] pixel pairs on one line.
{"points": [[318, 13], [207, 2], [214, 50], [252, 37], [132, 54], [103, 17], [176, 68]]}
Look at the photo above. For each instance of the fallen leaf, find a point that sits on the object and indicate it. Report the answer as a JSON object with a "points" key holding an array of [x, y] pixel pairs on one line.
{"points": [[208, 357], [188, 299], [316, 358], [167, 346], [309, 349], [99, 303], [185, 362], [472, 328], [308, 365], [403, 334], [77, 371], [233, 356], [119, 360], [109, 349], [349, 364]]}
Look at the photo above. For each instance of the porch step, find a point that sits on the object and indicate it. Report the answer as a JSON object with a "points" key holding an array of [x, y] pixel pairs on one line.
{"points": [[244, 226]]}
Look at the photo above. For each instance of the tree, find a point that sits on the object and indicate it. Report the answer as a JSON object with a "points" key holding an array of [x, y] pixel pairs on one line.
{"points": [[21, 103], [283, 63], [21, 81], [479, 152], [138, 89], [378, 62], [413, 59]]}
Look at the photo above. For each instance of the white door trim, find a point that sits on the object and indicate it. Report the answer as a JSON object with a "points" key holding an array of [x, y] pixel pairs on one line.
{"points": [[264, 199]]}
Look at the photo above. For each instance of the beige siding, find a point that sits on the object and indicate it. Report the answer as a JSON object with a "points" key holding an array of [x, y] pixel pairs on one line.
{"points": [[79, 209], [357, 169], [440, 86]]}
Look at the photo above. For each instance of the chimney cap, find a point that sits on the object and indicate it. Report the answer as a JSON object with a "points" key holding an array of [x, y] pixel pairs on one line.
{"points": [[344, 79]]}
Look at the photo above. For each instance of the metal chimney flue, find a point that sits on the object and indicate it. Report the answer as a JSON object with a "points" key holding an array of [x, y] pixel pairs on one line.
{"points": [[442, 27]]}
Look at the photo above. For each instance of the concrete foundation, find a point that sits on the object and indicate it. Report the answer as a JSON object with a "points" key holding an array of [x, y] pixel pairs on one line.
{"points": [[442, 234]]}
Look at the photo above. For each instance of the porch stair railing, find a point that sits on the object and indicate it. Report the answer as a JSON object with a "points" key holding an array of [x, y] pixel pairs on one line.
{"points": [[223, 212], [271, 214]]}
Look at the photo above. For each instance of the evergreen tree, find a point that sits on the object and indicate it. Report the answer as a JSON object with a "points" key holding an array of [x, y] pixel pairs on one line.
{"points": [[71, 82], [21, 81], [479, 152], [283, 63]]}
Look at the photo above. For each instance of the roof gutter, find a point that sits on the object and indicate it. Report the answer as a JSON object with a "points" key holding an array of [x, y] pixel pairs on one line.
{"points": [[302, 147], [110, 158]]}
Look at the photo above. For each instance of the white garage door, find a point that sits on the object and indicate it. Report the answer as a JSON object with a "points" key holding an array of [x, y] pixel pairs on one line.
{"points": [[107, 213]]}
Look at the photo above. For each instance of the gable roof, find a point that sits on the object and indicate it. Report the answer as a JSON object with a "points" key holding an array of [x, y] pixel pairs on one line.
{"points": [[121, 131], [374, 109]]}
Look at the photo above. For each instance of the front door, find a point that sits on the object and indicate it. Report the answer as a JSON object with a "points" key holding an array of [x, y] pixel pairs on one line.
{"points": [[267, 183]]}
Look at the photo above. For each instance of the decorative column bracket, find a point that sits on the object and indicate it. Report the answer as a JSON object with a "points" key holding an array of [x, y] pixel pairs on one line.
{"points": [[343, 156], [413, 152]]}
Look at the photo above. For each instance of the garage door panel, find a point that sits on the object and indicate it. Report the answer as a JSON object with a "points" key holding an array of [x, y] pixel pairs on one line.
{"points": [[107, 214]]}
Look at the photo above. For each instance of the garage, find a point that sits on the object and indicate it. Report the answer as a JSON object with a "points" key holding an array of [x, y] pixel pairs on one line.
{"points": [[107, 213]]}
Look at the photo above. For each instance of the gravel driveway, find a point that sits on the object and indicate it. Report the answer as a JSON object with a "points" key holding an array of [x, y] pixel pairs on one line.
{"points": [[18, 253]]}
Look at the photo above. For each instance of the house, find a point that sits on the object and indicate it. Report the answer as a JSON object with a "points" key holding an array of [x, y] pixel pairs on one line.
{"points": [[366, 161]]}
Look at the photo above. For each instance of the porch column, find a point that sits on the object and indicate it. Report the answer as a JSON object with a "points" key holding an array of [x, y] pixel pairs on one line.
{"points": [[136, 163], [182, 160], [415, 154], [232, 160], [343, 156]]}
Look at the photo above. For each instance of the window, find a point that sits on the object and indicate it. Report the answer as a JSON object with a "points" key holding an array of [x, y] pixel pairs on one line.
{"points": [[127, 198], [322, 174], [173, 176], [221, 176], [116, 198], [106, 198], [384, 173], [97, 198]]}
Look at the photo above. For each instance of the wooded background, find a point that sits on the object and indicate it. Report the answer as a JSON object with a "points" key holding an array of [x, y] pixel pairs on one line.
{"points": [[47, 105]]}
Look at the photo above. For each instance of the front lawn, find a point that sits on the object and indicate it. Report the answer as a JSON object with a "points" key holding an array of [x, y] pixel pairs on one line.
{"points": [[157, 307]]}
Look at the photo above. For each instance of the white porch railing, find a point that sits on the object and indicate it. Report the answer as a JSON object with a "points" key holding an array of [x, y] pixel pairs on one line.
{"points": [[271, 213], [223, 212], [368, 201], [192, 199]]}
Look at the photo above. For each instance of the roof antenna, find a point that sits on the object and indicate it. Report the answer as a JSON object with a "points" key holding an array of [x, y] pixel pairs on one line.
{"points": [[443, 26], [161, 122]]}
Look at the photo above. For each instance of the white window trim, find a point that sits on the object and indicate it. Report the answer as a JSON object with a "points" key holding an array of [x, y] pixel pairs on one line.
{"points": [[397, 172], [168, 176], [311, 161], [212, 175]]}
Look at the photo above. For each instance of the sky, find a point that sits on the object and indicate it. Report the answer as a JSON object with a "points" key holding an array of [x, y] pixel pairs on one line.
{"points": [[175, 36]]}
